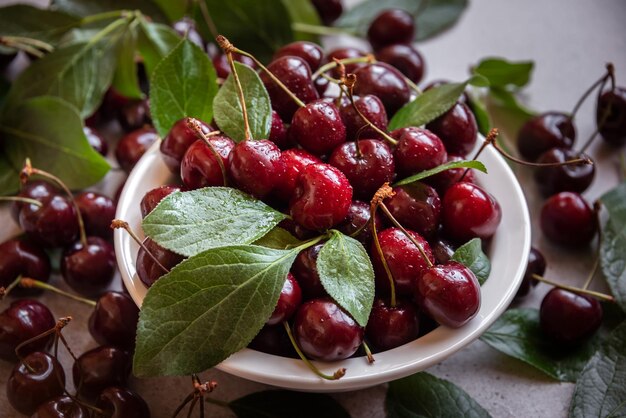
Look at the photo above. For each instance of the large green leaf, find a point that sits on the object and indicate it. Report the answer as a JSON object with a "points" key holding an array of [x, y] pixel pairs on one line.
{"points": [[613, 245], [84, 8], [207, 308], [475, 164], [503, 73], [35, 23], [287, 404], [125, 79], [278, 238], [155, 41], [472, 256], [302, 11]]}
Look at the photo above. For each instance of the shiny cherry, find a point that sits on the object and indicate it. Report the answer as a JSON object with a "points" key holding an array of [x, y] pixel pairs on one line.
{"points": [[357, 221], [567, 219], [255, 166], [22, 258], [200, 166], [278, 132], [134, 115], [344, 53], [393, 26], [565, 178], [89, 269], [186, 28], [457, 129], [272, 339], [545, 131], [114, 320], [372, 108], [117, 402], [98, 211], [289, 300], [294, 160], [416, 206], [150, 200], [99, 368], [22, 320], [568, 318], [222, 66], [96, 140], [304, 270], [111, 103], [417, 150], [61, 407], [536, 264], [442, 250], [328, 10], [54, 224], [147, 269], [392, 326], [39, 190], [405, 58], [133, 145], [177, 142], [384, 81], [612, 127], [308, 51], [318, 127], [442, 181]]}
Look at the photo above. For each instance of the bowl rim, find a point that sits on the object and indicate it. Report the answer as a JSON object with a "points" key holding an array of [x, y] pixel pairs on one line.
{"points": [[393, 364]]}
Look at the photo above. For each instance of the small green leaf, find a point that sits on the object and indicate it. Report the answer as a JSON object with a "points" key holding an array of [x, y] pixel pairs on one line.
{"points": [[84, 8], [613, 245], [183, 84], [35, 23], [346, 273], [437, 16], [227, 108], [279, 239], [475, 164], [503, 73], [125, 78], [9, 177], [424, 395], [155, 41], [471, 255], [601, 389], [207, 308], [302, 11], [507, 100], [284, 404], [191, 222], [483, 119]]}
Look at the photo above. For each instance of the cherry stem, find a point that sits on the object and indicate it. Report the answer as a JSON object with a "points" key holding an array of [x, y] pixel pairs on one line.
{"points": [[194, 125], [21, 199], [610, 74], [6, 290], [491, 137], [531, 164], [29, 170], [382, 193], [182, 405], [61, 323], [118, 223], [242, 99], [600, 124], [574, 289], [336, 63], [228, 47], [32, 283], [368, 353], [336, 376]]}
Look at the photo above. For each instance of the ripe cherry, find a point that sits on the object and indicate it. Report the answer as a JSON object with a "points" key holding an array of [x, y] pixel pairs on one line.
{"points": [[294, 160], [304, 270], [151, 199], [117, 402], [442, 250], [416, 206], [278, 132], [545, 131], [392, 326], [37, 189], [255, 166], [536, 265], [612, 127], [318, 127], [89, 269], [98, 211], [308, 51], [147, 269], [417, 150], [385, 82], [177, 142], [133, 145], [272, 339], [186, 28], [134, 114], [54, 224], [405, 58], [329, 10], [200, 166], [358, 220], [289, 300], [564, 178], [22, 320], [444, 180], [222, 67], [393, 26], [114, 320], [457, 129], [372, 108], [96, 140], [568, 220], [99, 368], [22, 258], [569, 318], [61, 407]]}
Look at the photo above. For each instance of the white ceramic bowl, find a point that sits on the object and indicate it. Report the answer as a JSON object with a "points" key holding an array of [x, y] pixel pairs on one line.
{"points": [[508, 253]]}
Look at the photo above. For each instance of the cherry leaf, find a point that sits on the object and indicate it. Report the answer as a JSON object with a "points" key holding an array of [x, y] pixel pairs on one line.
{"points": [[471, 255], [32, 22], [125, 78], [503, 73], [154, 42], [443, 167], [613, 245], [278, 238]]}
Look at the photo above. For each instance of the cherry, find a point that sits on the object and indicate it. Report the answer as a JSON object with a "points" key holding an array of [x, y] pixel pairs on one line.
{"points": [[89, 269], [308, 51], [96, 140], [111, 104], [122, 403], [295, 73], [98, 211], [200, 166], [147, 269], [304, 270], [322, 197], [457, 129], [222, 66], [54, 224], [294, 160], [318, 127], [345, 53], [321, 85], [417, 150], [22, 258], [178, 140], [612, 127], [328, 10], [416, 206], [372, 108], [358, 220], [151, 199], [442, 250], [34, 380], [404, 259], [393, 26], [273, 339], [39, 190], [133, 145], [536, 265], [325, 332], [449, 293], [569, 318], [568, 220], [442, 181], [384, 81], [278, 132], [392, 326], [22, 320], [405, 58], [545, 131], [289, 300], [186, 28], [114, 320], [134, 115], [468, 212], [255, 166], [99, 368], [570, 177], [61, 407]]}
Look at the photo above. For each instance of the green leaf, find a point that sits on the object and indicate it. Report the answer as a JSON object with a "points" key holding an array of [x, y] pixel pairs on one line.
{"points": [[302, 11], [424, 395], [85, 8], [9, 177], [503, 73], [227, 108], [472, 256], [125, 78], [475, 164], [279, 239], [50, 132], [601, 389], [174, 10], [35, 23], [507, 100], [285, 403], [483, 119], [191, 222], [183, 85], [346, 273], [437, 16], [517, 334], [155, 41], [207, 308], [613, 245]]}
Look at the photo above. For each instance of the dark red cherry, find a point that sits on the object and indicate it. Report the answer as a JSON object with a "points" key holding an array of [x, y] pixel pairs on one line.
{"points": [[568, 318], [536, 264], [134, 115], [39, 190], [117, 402], [294, 161], [22, 258], [384, 81], [61, 407], [318, 127], [328, 10], [442, 181], [322, 197], [457, 129], [416, 206], [96, 140], [256, 166], [325, 332], [469, 212], [289, 300], [612, 127], [321, 85], [114, 320], [54, 224], [278, 132], [222, 66], [404, 259], [392, 326], [147, 269], [304, 270], [99, 368], [417, 150], [36, 379], [565, 178], [21, 321], [133, 145], [357, 221], [295, 74], [345, 53], [89, 269], [111, 104], [393, 26], [186, 28], [273, 339], [372, 108], [545, 131], [178, 141], [200, 166], [151, 199], [98, 211], [449, 293], [442, 250], [308, 51], [567, 219], [405, 58]]}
